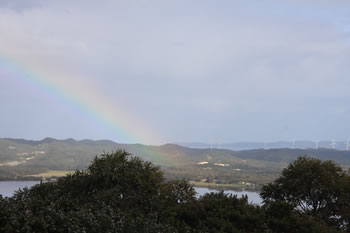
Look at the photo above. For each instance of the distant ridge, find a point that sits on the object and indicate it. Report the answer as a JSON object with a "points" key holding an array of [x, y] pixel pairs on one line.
{"points": [[172, 153], [20, 157], [24, 141], [49, 140], [298, 144]]}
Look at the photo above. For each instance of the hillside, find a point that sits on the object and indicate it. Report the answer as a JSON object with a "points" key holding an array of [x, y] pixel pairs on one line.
{"points": [[20, 158]]}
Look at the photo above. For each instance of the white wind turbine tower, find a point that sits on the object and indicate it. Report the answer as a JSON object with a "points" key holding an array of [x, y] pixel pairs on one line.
{"points": [[219, 143], [333, 144], [316, 144], [293, 143], [211, 145], [347, 143], [265, 146]]}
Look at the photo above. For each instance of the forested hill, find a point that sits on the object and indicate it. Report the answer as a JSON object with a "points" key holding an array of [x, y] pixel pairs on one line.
{"points": [[20, 157]]}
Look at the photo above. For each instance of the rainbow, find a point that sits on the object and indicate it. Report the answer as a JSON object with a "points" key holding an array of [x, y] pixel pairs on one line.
{"points": [[75, 91]]}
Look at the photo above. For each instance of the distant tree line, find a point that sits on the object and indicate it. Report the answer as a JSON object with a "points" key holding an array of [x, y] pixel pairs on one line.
{"points": [[122, 193]]}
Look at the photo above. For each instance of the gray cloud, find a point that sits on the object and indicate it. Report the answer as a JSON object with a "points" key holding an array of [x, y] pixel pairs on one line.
{"points": [[235, 69], [20, 5]]}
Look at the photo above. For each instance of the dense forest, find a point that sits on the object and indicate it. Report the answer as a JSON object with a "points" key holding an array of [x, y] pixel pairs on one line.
{"points": [[122, 193]]}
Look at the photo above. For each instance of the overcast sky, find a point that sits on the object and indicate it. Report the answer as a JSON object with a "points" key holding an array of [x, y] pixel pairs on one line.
{"points": [[190, 71]]}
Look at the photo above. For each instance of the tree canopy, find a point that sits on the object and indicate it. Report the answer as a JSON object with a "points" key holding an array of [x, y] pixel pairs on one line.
{"points": [[313, 188], [122, 193]]}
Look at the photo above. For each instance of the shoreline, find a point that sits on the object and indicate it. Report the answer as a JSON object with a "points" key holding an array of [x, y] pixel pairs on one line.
{"points": [[210, 186], [223, 187]]}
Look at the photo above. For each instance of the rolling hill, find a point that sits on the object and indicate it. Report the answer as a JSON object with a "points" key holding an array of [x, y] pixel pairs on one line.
{"points": [[20, 158]]}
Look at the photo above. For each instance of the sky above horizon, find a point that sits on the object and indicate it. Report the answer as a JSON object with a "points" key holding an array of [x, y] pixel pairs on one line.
{"points": [[175, 71]]}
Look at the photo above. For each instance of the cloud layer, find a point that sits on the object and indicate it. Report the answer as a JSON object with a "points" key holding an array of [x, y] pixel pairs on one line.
{"points": [[191, 70]]}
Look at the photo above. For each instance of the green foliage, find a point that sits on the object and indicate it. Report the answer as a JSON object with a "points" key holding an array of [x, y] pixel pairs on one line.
{"points": [[122, 193], [281, 217], [117, 193], [217, 212], [315, 188]]}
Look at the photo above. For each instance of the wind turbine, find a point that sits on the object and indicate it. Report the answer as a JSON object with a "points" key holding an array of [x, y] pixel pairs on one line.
{"points": [[347, 143], [333, 144], [316, 144], [219, 143], [293, 143]]}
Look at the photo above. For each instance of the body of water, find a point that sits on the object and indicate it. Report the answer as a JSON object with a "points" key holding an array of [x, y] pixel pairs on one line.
{"points": [[8, 188], [253, 197]]}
